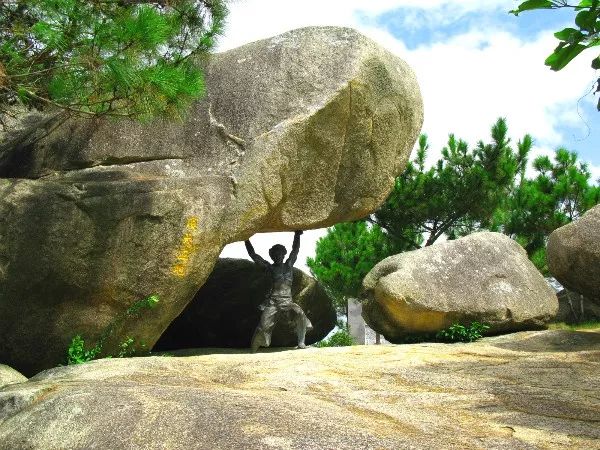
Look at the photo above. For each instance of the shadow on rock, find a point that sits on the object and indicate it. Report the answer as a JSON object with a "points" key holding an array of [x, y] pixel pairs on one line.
{"points": [[550, 342]]}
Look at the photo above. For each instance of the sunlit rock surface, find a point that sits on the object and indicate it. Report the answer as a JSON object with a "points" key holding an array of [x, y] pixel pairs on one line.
{"points": [[484, 277], [528, 390], [299, 131]]}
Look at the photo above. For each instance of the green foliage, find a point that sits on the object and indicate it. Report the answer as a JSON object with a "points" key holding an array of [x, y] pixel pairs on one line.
{"points": [[346, 254], [561, 191], [340, 338], [457, 195], [483, 188], [461, 333], [77, 354], [454, 333], [572, 40], [130, 58]]}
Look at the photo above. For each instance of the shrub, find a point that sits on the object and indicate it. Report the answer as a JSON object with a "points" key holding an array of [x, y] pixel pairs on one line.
{"points": [[340, 338], [454, 333], [77, 354], [461, 333]]}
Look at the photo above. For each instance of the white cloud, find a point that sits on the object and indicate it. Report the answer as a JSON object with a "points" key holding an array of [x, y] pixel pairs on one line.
{"points": [[472, 79], [467, 81], [250, 20], [595, 171]]}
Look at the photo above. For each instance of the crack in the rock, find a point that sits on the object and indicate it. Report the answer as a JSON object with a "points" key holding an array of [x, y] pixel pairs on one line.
{"points": [[122, 161], [238, 141]]}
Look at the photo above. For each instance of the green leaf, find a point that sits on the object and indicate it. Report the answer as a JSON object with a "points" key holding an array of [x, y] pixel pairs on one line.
{"points": [[563, 54], [570, 35], [584, 4], [596, 63], [532, 4], [586, 20], [23, 94]]}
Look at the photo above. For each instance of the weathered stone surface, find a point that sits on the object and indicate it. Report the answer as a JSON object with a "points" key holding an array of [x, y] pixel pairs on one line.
{"points": [[8, 375], [483, 277], [224, 312], [299, 131], [575, 308], [574, 255], [523, 391]]}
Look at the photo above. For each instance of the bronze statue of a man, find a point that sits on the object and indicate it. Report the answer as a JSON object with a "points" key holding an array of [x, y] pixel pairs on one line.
{"points": [[279, 299]]}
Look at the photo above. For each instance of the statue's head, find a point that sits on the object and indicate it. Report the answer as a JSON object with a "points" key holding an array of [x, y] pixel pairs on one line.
{"points": [[277, 253]]}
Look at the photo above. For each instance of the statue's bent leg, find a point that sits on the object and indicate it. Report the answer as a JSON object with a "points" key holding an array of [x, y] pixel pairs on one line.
{"points": [[302, 324], [262, 334]]}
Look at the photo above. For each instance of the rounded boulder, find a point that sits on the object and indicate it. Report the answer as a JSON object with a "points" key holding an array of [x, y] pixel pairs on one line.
{"points": [[574, 255], [484, 277]]}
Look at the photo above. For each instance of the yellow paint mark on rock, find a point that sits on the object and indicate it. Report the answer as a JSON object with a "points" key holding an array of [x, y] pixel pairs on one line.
{"points": [[192, 223], [187, 247]]}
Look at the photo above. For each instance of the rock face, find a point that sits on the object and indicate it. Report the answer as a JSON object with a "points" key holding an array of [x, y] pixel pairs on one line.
{"points": [[224, 312], [574, 255], [483, 277], [8, 375], [522, 391], [296, 132], [574, 308]]}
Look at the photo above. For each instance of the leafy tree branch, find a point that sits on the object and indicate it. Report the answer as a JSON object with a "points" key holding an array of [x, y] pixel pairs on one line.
{"points": [[120, 58]]}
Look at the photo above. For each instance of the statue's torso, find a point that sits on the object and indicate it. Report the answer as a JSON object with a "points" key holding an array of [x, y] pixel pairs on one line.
{"points": [[282, 276]]}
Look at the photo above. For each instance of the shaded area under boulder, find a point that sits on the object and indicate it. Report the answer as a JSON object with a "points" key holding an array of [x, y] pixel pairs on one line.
{"points": [[575, 308], [224, 312]]}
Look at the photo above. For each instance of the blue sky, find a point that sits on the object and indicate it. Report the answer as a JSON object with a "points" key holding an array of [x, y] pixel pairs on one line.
{"points": [[420, 28]]}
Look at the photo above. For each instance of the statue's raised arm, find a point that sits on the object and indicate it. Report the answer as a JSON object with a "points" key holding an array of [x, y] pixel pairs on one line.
{"points": [[295, 249], [255, 257]]}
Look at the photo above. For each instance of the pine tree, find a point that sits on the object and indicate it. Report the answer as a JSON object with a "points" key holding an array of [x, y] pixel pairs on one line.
{"points": [[466, 191], [127, 58], [458, 194], [346, 254], [560, 193]]}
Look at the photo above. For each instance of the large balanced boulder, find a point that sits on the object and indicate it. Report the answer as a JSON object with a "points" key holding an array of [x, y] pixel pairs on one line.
{"points": [[484, 277], [574, 255], [224, 312], [300, 131], [528, 390]]}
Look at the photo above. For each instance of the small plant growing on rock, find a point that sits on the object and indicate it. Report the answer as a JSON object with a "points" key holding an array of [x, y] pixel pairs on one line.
{"points": [[461, 333], [340, 338], [77, 354], [454, 333]]}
